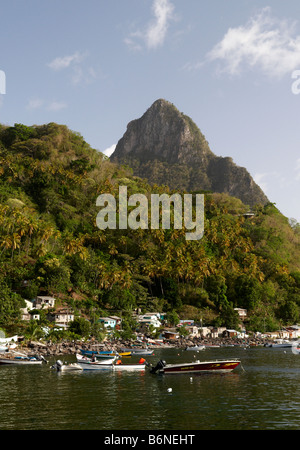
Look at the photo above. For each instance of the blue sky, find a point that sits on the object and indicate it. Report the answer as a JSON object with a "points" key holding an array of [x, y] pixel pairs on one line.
{"points": [[228, 64]]}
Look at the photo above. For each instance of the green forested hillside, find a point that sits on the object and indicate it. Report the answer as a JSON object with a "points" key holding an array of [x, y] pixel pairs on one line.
{"points": [[49, 243]]}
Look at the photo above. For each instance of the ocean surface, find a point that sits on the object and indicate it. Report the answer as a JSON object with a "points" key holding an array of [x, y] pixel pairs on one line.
{"points": [[261, 394]]}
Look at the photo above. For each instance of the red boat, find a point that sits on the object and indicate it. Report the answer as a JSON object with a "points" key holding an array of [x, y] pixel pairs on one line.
{"points": [[218, 366]]}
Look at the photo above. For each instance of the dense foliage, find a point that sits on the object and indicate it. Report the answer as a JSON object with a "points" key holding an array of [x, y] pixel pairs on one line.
{"points": [[50, 245]]}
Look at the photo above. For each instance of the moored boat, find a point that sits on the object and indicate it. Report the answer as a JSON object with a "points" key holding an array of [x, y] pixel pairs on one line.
{"points": [[21, 360], [95, 364], [281, 343], [196, 348], [141, 365], [138, 351], [61, 367], [124, 367], [217, 366]]}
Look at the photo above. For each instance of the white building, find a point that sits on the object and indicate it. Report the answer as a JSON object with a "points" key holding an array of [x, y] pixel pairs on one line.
{"points": [[149, 319], [44, 302], [63, 317]]}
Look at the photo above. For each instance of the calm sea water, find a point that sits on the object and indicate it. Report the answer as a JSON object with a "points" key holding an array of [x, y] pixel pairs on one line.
{"points": [[264, 394]]}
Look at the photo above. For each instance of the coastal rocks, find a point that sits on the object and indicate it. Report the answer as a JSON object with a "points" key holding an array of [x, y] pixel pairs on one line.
{"points": [[70, 348]]}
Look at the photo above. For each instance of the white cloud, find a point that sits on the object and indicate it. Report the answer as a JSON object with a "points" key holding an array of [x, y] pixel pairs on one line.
{"points": [[39, 103], [265, 42], [155, 33], [80, 74], [260, 179], [35, 103], [64, 62], [56, 106], [109, 151]]}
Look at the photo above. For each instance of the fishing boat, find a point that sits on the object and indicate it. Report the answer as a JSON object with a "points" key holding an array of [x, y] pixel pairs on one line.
{"points": [[218, 366], [62, 367], [196, 348], [94, 364], [21, 359], [99, 356], [141, 365], [281, 343], [124, 367], [138, 351]]}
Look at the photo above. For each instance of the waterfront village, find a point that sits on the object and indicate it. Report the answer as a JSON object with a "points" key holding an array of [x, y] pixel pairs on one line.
{"points": [[152, 330]]}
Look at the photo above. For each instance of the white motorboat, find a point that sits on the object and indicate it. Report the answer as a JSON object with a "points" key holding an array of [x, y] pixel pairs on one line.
{"points": [[95, 364], [124, 367], [281, 343], [141, 365], [196, 348], [61, 367]]}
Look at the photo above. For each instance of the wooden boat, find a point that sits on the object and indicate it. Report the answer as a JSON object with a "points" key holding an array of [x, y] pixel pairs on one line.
{"points": [[218, 366], [21, 360], [91, 364], [138, 351], [104, 354]]}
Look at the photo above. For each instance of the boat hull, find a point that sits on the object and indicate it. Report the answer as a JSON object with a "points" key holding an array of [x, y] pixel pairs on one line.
{"points": [[201, 367], [70, 368], [138, 351], [19, 362], [88, 364], [125, 367]]}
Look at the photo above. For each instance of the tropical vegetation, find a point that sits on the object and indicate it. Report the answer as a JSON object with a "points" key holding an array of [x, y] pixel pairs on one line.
{"points": [[50, 179]]}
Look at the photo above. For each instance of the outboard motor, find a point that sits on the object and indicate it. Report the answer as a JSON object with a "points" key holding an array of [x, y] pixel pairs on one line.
{"points": [[58, 365], [41, 358], [159, 366]]}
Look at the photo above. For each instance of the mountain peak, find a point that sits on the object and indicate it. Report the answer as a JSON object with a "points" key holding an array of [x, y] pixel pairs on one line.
{"points": [[165, 134], [166, 147]]}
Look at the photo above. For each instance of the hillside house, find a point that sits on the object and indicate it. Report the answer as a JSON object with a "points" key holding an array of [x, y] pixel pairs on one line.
{"points": [[25, 311], [108, 322], [63, 317], [118, 320], [193, 331], [44, 302], [242, 313], [149, 319]]}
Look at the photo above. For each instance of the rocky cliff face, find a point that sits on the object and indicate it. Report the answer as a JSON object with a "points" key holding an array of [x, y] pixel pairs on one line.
{"points": [[166, 147]]}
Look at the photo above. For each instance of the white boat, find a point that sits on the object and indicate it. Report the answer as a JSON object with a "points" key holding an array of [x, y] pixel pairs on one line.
{"points": [[196, 348], [124, 367], [141, 365], [21, 359], [61, 367], [281, 343], [91, 364]]}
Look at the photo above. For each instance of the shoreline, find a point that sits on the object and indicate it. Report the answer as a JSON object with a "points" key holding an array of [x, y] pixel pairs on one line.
{"points": [[69, 348]]}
